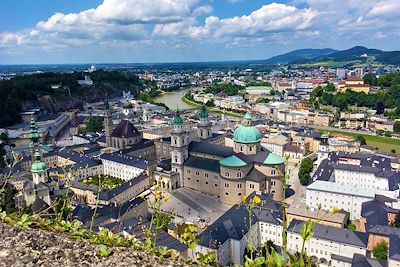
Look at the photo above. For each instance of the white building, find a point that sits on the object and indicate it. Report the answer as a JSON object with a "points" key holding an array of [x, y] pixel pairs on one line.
{"points": [[329, 195], [126, 167], [327, 242]]}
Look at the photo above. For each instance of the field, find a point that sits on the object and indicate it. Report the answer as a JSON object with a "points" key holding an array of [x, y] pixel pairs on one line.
{"points": [[384, 144], [329, 64]]}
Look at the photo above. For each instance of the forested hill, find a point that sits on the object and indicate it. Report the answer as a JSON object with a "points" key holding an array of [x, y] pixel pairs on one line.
{"points": [[32, 90]]}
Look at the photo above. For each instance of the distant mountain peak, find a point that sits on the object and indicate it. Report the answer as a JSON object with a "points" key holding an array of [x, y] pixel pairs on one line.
{"points": [[299, 55]]}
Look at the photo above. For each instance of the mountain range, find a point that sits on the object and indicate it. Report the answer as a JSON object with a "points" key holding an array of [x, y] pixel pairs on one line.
{"points": [[357, 53]]}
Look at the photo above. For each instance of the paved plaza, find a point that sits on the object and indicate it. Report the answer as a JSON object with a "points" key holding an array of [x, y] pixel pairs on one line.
{"points": [[194, 206]]}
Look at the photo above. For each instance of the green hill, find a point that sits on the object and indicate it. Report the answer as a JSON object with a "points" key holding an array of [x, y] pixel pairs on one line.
{"points": [[31, 90]]}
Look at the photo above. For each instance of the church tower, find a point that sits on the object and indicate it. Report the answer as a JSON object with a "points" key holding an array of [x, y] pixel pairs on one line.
{"points": [[34, 140], [39, 188], [179, 146], [108, 124], [204, 126]]}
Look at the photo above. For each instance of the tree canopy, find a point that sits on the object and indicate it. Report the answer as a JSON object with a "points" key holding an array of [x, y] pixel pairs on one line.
{"points": [[229, 89], [306, 166], [380, 251], [94, 124]]}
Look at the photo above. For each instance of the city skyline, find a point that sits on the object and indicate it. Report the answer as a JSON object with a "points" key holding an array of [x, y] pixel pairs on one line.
{"points": [[188, 30]]}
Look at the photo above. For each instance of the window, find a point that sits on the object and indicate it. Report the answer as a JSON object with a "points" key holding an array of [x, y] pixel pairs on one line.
{"points": [[215, 185], [239, 174], [188, 171], [251, 186], [188, 178], [206, 175], [206, 182], [226, 193], [226, 185], [239, 186], [273, 172], [227, 174], [197, 180], [197, 173]]}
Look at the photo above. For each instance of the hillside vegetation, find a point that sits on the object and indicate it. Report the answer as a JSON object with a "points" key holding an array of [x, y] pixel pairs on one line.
{"points": [[32, 90]]}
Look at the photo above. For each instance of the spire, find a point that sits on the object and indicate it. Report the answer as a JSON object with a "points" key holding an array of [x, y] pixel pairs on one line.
{"points": [[34, 135], [107, 106], [177, 118], [203, 114]]}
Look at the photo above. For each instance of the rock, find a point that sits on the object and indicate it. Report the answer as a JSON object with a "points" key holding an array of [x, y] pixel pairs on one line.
{"points": [[35, 247]]}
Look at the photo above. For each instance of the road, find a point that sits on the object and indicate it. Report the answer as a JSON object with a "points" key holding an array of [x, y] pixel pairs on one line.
{"points": [[295, 185]]}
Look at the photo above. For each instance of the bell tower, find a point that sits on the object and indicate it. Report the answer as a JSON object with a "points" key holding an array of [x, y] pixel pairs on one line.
{"points": [[108, 124], [179, 146], [204, 126]]}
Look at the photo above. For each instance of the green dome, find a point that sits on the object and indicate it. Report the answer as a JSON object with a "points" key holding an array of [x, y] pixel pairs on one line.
{"points": [[38, 165], [203, 114], [273, 159], [232, 161], [247, 135], [178, 119]]}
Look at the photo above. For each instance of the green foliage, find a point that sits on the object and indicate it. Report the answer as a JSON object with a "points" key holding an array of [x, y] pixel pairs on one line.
{"points": [[104, 252], [210, 103], [94, 124], [209, 259], [229, 89], [389, 98], [361, 139], [272, 92], [396, 126], [380, 251], [20, 90], [191, 237], [306, 166], [259, 84], [351, 227], [370, 79], [104, 180], [262, 100]]}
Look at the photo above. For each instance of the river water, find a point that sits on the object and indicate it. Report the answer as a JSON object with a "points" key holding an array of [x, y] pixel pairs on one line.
{"points": [[174, 99]]}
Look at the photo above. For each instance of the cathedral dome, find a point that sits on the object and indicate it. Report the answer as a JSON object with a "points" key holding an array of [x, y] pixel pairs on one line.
{"points": [[247, 133]]}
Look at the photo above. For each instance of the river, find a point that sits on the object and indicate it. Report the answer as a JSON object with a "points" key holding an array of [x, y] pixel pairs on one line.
{"points": [[174, 99]]}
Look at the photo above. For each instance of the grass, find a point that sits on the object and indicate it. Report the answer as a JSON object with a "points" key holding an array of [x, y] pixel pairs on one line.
{"points": [[213, 110], [330, 64], [105, 181], [384, 144]]}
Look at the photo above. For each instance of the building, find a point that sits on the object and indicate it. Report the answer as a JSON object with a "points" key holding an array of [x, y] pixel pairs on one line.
{"points": [[126, 167], [330, 196], [227, 172], [354, 83], [327, 242]]}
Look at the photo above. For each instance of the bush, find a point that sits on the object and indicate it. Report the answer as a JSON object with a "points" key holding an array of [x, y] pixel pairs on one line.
{"points": [[351, 227], [380, 251]]}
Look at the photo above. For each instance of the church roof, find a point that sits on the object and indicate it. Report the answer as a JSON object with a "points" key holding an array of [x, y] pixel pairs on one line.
{"points": [[125, 129], [247, 133], [203, 112], [177, 118], [39, 205]]}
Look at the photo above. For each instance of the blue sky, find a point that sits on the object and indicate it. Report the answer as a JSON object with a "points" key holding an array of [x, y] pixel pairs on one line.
{"points": [[91, 31]]}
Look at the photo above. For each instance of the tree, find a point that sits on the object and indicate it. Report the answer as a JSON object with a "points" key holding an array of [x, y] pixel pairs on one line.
{"points": [[94, 124], [393, 151], [306, 166], [380, 107], [316, 105], [380, 251], [272, 92], [370, 79], [210, 103], [361, 139], [396, 126], [330, 87], [262, 100]]}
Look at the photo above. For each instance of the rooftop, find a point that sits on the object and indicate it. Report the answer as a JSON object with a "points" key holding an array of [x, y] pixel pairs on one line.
{"points": [[335, 188]]}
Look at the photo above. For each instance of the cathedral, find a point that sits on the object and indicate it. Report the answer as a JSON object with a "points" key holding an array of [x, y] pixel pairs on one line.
{"points": [[124, 135], [227, 172]]}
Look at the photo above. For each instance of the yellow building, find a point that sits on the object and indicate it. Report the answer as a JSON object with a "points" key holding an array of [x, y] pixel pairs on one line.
{"points": [[355, 84]]}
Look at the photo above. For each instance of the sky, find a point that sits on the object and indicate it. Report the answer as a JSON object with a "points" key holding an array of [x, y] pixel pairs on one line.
{"points": [[145, 31]]}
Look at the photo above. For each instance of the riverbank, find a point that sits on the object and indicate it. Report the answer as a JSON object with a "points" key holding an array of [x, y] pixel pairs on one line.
{"points": [[213, 110]]}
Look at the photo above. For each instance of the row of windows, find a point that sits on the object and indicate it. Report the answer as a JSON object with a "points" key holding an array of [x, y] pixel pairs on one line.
{"points": [[197, 180]]}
